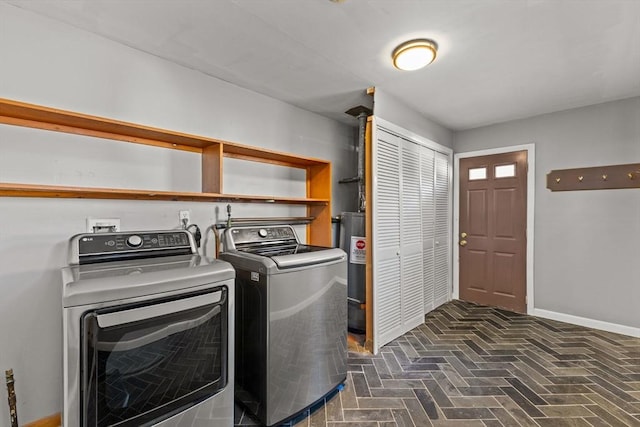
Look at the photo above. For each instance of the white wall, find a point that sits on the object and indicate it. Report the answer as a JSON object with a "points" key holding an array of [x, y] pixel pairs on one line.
{"points": [[587, 256], [393, 110], [52, 64]]}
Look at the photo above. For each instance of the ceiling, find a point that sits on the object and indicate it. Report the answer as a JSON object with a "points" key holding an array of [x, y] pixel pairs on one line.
{"points": [[498, 60]]}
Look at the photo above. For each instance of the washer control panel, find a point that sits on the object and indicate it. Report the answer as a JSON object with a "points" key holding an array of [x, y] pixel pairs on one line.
{"points": [[261, 235]]}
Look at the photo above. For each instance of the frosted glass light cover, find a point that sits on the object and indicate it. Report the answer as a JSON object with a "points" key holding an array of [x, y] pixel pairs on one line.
{"points": [[414, 59], [414, 54]]}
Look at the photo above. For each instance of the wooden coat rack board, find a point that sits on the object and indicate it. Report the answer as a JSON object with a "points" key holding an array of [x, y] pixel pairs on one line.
{"points": [[596, 178]]}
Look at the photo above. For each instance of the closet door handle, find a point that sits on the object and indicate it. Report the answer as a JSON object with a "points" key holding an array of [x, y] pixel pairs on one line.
{"points": [[463, 243]]}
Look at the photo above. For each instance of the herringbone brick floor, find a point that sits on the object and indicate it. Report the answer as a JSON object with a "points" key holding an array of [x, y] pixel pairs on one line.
{"points": [[470, 365]]}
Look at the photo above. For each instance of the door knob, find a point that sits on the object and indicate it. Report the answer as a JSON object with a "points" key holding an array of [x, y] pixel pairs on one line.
{"points": [[463, 234], [463, 243]]}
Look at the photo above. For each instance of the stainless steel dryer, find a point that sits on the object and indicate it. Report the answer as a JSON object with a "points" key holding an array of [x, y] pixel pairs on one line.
{"points": [[148, 332], [291, 320]]}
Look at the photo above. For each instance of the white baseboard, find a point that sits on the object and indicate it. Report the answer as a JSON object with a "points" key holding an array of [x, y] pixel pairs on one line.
{"points": [[590, 323]]}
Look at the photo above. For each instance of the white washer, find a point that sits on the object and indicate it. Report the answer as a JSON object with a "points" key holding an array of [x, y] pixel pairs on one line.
{"points": [[148, 332]]}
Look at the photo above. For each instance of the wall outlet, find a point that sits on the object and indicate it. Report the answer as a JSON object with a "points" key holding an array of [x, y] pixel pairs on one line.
{"points": [[185, 218], [103, 225]]}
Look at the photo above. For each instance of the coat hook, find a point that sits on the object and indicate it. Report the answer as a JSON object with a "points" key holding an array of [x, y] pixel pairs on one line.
{"points": [[557, 180], [604, 177], [580, 178], [630, 175]]}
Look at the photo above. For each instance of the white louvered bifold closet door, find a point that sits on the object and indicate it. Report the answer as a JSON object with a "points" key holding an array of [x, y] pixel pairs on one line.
{"points": [[411, 238], [386, 238], [411, 232], [442, 255], [428, 225]]}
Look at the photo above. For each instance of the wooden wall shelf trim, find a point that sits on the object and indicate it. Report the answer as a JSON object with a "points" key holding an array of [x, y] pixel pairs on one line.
{"points": [[368, 188], [595, 178], [318, 181]]}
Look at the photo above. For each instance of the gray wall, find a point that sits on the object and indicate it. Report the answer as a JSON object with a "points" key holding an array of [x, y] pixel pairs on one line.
{"points": [[587, 255], [393, 110], [52, 64]]}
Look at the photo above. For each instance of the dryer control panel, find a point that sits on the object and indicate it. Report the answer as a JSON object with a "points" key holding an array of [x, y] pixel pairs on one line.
{"points": [[100, 247]]}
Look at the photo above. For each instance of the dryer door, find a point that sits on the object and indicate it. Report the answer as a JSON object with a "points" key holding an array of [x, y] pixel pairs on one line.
{"points": [[142, 363]]}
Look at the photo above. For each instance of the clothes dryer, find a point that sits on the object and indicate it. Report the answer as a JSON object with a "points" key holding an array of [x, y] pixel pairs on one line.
{"points": [[148, 332]]}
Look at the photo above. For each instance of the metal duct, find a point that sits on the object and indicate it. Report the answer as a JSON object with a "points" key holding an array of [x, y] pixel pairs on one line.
{"points": [[362, 126], [361, 113]]}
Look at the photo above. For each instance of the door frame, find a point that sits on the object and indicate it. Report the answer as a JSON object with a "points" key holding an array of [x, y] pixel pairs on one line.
{"points": [[531, 174]]}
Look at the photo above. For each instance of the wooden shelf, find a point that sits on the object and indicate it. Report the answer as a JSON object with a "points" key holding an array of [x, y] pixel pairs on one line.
{"points": [[244, 152], [36, 116], [318, 200], [62, 192]]}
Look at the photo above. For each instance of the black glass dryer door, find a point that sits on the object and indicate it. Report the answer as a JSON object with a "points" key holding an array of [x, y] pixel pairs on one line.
{"points": [[145, 363]]}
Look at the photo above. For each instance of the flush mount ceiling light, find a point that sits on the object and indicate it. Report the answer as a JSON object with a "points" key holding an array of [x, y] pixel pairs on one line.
{"points": [[414, 54]]}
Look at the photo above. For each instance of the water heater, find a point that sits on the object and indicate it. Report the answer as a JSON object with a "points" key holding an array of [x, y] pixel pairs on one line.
{"points": [[352, 241]]}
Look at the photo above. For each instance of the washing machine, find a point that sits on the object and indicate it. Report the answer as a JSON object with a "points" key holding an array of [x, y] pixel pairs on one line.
{"points": [[291, 320]]}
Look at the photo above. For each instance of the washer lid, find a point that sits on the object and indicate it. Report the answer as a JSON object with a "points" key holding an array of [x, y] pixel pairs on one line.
{"points": [[114, 281], [305, 255]]}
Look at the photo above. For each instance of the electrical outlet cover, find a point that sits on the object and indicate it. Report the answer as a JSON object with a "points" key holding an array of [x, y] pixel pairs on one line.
{"points": [[184, 217], [103, 225]]}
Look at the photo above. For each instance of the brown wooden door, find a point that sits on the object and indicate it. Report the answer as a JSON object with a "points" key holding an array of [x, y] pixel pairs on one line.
{"points": [[493, 219]]}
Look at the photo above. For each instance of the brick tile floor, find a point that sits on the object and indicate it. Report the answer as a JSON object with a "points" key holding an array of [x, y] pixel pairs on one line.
{"points": [[470, 365]]}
